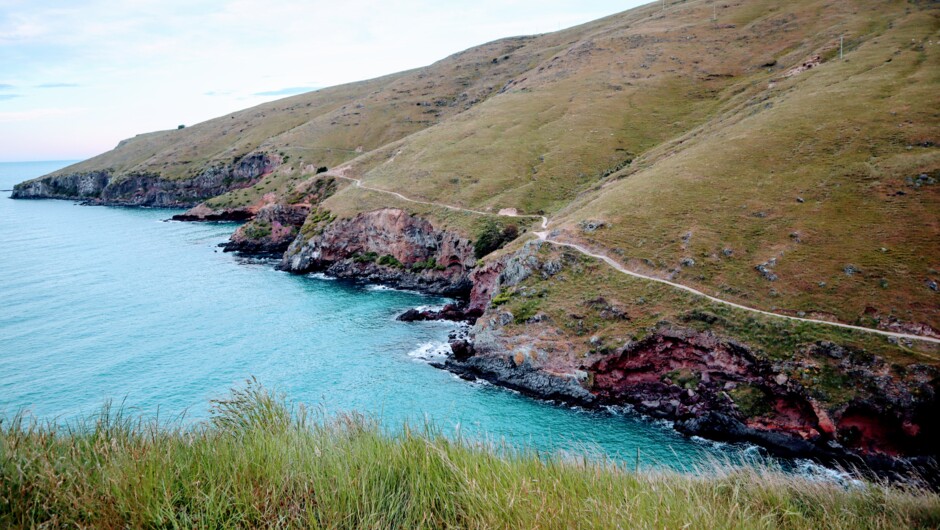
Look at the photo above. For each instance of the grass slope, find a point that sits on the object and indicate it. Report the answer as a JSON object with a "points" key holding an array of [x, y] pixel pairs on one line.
{"points": [[259, 464], [820, 172]]}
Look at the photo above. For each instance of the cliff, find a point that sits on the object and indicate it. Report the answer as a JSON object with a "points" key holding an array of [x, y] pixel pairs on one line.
{"points": [[387, 246], [148, 189], [820, 400]]}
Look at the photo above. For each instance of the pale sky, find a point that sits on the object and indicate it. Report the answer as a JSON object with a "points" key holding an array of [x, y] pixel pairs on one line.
{"points": [[77, 76]]}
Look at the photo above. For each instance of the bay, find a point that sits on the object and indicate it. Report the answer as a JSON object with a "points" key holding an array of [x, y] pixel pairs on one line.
{"points": [[103, 303]]}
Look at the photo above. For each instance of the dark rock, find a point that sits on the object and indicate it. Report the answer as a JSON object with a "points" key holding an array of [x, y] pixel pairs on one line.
{"points": [[724, 428], [606, 310], [411, 315], [765, 272], [523, 378], [591, 226], [829, 349], [235, 214], [462, 349], [452, 312]]}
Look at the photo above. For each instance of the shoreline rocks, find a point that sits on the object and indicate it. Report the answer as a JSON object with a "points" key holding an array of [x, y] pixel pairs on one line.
{"points": [[387, 246], [143, 188], [654, 378], [452, 312]]}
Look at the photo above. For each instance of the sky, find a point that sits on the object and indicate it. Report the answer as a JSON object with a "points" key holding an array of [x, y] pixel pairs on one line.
{"points": [[77, 76]]}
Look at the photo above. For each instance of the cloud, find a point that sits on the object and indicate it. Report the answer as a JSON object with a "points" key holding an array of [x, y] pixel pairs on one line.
{"points": [[217, 93], [290, 91], [6, 87], [9, 96], [58, 85]]}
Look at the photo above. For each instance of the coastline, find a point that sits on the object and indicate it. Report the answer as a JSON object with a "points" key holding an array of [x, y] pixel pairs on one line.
{"points": [[544, 385]]}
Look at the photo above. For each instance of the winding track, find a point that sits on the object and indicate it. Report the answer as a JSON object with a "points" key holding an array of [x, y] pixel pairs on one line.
{"points": [[545, 236]]}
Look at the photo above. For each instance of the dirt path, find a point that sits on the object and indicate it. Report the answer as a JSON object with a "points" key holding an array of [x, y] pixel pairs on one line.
{"points": [[544, 236]]}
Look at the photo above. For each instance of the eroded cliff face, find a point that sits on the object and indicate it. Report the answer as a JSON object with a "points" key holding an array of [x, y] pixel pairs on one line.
{"points": [[387, 246], [271, 231], [148, 189], [709, 385]]}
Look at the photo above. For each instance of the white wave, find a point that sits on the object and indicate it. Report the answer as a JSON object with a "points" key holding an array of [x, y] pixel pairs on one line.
{"points": [[429, 308], [813, 471], [431, 351], [380, 287], [320, 276], [472, 382]]}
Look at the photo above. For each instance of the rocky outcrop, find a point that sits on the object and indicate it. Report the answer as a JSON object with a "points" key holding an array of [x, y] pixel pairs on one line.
{"points": [[687, 375], [523, 377], [386, 246], [202, 212], [452, 312], [148, 189], [276, 221], [719, 390], [708, 385], [271, 231]]}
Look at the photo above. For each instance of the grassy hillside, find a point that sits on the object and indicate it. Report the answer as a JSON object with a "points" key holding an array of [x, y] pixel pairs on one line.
{"points": [[327, 126], [823, 172], [690, 137], [692, 133], [259, 464]]}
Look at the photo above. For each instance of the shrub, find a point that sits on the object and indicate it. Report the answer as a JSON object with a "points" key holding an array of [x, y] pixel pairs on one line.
{"points": [[430, 264], [390, 261], [257, 229], [492, 236], [501, 298], [526, 311], [367, 257]]}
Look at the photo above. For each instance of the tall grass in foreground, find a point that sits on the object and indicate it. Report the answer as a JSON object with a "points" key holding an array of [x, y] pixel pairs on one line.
{"points": [[260, 463]]}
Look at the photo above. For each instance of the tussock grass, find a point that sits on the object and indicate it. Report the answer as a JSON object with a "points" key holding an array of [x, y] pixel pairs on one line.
{"points": [[259, 462]]}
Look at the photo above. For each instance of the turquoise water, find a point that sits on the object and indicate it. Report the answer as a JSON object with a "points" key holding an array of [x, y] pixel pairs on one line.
{"points": [[114, 303]]}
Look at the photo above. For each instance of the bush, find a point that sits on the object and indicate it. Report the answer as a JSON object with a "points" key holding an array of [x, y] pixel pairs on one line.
{"points": [[501, 298], [527, 310], [492, 236], [390, 261], [367, 257], [257, 229], [430, 264]]}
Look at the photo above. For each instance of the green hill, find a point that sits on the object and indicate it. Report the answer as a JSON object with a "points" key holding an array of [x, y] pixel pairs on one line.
{"points": [[779, 156]]}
